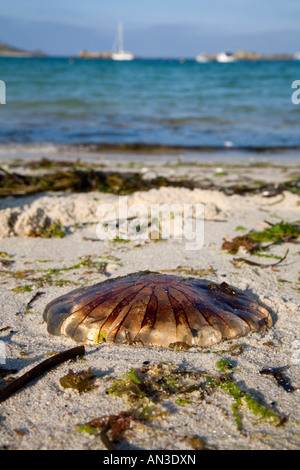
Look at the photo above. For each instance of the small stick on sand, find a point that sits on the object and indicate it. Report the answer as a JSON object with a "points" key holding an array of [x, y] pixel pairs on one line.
{"points": [[253, 263], [38, 370]]}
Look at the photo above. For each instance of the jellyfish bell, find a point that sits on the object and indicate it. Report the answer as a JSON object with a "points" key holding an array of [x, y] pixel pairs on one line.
{"points": [[155, 309]]}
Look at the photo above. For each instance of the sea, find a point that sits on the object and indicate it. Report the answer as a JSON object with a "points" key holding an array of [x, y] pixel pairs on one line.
{"points": [[67, 101]]}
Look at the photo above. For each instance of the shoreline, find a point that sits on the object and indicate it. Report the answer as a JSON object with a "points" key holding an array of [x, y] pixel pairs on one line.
{"points": [[158, 155]]}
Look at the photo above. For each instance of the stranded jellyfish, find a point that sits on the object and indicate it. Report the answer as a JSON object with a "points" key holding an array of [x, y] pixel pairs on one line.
{"points": [[154, 309]]}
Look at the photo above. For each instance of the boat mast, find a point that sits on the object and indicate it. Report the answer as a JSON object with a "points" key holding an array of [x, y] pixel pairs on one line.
{"points": [[120, 28]]}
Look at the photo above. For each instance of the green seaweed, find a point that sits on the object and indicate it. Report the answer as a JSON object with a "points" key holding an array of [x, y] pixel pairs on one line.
{"points": [[226, 383], [131, 375], [101, 337], [87, 429], [146, 389], [129, 385], [55, 230], [276, 232], [50, 276], [27, 288], [82, 381], [153, 382], [233, 350], [182, 401], [3, 254], [221, 173], [253, 240], [117, 239], [265, 255], [224, 365]]}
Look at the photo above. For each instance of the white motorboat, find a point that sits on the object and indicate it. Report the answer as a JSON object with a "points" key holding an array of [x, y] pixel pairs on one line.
{"points": [[201, 59], [120, 54], [225, 57], [297, 56]]}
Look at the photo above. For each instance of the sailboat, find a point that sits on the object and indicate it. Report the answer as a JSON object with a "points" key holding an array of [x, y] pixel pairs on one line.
{"points": [[121, 54]]}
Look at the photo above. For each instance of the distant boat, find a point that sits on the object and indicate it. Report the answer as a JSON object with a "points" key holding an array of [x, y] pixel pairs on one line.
{"points": [[202, 59], [297, 56], [121, 54], [225, 57]]}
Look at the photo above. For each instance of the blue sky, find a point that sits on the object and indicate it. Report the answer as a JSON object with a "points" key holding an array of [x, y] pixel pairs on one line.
{"points": [[172, 28]]}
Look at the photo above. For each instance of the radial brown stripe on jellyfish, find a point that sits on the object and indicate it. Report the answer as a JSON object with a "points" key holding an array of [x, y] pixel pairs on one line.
{"points": [[155, 309]]}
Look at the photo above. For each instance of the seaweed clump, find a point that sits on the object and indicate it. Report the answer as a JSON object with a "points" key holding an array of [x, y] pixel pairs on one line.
{"points": [[252, 242], [144, 390], [226, 383], [82, 381], [83, 178], [148, 391]]}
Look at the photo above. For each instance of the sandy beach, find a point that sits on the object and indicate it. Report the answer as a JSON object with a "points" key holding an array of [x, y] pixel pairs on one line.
{"points": [[36, 270]]}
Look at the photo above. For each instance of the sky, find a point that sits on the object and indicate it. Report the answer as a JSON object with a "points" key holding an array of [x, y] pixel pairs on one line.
{"points": [[152, 28]]}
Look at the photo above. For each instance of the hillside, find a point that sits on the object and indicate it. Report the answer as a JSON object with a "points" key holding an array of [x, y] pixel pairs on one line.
{"points": [[9, 51]]}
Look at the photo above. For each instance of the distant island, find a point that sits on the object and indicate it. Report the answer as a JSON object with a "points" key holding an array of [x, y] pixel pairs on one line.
{"points": [[94, 55], [238, 55], [9, 51]]}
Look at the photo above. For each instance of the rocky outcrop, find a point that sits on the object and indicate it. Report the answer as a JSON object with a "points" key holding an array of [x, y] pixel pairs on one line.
{"points": [[243, 55], [94, 55]]}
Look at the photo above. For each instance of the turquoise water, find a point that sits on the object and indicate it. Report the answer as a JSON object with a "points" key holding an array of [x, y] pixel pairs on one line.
{"points": [[149, 102]]}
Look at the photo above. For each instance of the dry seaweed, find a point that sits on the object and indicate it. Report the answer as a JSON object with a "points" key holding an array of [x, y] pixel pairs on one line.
{"points": [[242, 241], [110, 428], [240, 261], [83, 381], [90, 179], [234, 350], [281, 379], [254, 241], [32, 300], [6, 263]]}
